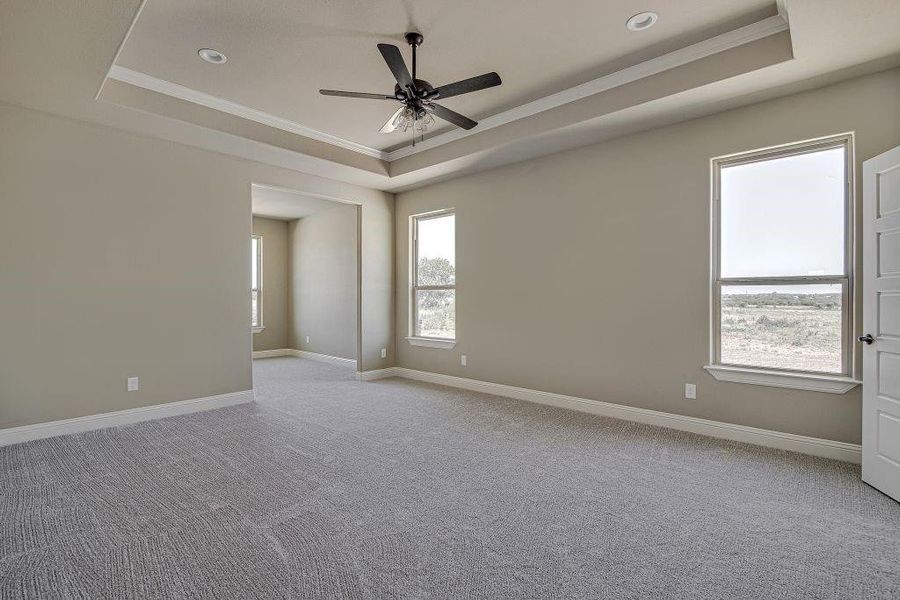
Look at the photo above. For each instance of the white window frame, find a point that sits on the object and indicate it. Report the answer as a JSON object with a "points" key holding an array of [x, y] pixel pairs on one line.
{"points": [[412, 338], [839, 382], [258, 326]]}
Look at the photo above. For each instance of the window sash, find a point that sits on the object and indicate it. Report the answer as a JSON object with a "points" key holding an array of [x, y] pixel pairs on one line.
{"points": [[845, 279], [256, 286], [846, 321], [414, 272]]}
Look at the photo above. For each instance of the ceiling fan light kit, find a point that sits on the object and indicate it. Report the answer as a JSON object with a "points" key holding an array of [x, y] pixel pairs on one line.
{"points": [[417, 95]]}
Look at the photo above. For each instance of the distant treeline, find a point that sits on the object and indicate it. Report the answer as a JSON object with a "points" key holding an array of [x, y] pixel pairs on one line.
{"points": [[823, 301]]}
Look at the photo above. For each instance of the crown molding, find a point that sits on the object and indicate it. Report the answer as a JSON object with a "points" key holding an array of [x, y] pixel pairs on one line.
{"points": [[720, 43], [731, 39], [154, 84]]}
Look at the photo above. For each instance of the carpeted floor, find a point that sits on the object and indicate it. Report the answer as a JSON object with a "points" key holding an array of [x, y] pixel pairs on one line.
{"points": [[332, 488]]}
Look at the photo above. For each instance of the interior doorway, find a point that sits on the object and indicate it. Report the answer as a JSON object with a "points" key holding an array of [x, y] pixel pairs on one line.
{"points": [[305, 276]]}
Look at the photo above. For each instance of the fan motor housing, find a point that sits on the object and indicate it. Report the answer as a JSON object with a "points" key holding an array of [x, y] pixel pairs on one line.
{"points": [[421, 86], [414, 38]]}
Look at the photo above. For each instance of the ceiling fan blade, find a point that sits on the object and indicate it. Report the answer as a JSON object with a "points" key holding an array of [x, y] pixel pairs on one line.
{"points": [[391, 124], [473, 84], [449, 115], [356, 95], [395, 63]]}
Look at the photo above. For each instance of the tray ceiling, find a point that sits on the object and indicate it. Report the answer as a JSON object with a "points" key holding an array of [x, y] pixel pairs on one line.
{"points": [[281, 52]]}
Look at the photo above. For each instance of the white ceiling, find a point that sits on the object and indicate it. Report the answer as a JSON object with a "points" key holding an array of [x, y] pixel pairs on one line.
{"points": [[285, 205], [280, 52]]}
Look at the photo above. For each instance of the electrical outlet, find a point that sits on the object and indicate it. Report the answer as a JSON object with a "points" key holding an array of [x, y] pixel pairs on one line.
{"points": [[134, 384], [384, 353], [462, 359], [307, 339], [690, 391]]}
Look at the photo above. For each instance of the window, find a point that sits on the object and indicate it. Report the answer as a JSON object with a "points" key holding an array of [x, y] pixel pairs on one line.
{"points": [[256, 283], [781, 281], [433, 279]]}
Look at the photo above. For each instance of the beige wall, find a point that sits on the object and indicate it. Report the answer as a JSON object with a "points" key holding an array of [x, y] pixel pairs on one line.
{"points": [[586, 272], [323, 282], [122, 255], [275, 283]]}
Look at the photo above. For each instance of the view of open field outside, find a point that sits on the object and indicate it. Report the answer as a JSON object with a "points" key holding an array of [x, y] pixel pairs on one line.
{"points": [[781, 329]]}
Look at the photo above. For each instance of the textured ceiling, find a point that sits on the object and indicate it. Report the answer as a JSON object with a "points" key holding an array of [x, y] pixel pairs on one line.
{"points": [[280, 52]]}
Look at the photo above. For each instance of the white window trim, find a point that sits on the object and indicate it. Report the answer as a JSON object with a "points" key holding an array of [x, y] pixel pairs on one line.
{"points": [[783, 379], [260, 326], [426, 342], [412, 338], [836, 383]]}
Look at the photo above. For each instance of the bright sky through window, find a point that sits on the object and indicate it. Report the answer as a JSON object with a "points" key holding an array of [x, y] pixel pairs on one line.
{"points": [[784, 216], [437, 238]]}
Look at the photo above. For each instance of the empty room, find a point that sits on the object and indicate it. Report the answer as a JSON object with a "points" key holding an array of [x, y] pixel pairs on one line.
{"points": [[596, 299]]}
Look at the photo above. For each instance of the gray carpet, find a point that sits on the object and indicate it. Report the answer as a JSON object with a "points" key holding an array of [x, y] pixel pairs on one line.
{"points": [[331, 488]]}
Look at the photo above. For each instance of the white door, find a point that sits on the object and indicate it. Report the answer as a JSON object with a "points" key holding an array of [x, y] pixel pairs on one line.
{"points": [[881, 317]]}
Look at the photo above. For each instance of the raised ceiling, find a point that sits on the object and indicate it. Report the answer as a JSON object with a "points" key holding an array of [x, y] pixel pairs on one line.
{"points": [[280, 52]]}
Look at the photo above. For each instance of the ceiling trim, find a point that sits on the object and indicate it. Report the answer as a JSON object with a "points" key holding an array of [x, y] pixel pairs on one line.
{"points": [[181, 92], [720, 43]]}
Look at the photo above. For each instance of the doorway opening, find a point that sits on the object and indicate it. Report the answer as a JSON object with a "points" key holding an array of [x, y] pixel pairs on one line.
{"points": [[305, 276]]}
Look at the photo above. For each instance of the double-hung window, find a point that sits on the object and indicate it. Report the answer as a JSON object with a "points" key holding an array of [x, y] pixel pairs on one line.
{"points": [[782, 260], [256, 299], [433, 277]]}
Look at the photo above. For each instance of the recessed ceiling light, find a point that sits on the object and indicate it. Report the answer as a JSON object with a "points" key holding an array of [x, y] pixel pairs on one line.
{"points": [[212, 56], [642, 21]]}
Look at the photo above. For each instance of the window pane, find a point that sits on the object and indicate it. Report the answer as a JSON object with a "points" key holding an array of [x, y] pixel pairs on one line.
{"points": [[785, 327], [437, 251], [436, 313], [254, 308], [254, 262], [784, 216]]}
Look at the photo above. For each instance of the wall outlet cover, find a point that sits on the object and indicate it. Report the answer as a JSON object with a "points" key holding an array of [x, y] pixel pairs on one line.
{"points": [[462, 359], [384, 353], [134, 384], [690, 391]]}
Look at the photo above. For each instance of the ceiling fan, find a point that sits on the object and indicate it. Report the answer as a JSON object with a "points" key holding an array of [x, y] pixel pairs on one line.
{"points": [[417, 95]]}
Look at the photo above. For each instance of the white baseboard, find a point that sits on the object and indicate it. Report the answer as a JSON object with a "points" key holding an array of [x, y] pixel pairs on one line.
{"points": [[729, 431], [377, 374], [25, 433], [272, 353], [336, 360]]}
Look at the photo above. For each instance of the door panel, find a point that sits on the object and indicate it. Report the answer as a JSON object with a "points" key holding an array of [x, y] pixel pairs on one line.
{"points": [[889, 437], [888, 192], [889, 252], [889, 314]]}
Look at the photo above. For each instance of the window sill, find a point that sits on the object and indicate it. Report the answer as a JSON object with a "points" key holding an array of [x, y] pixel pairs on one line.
{"points": [[830, 384], [430, 342], [258, 329]]}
